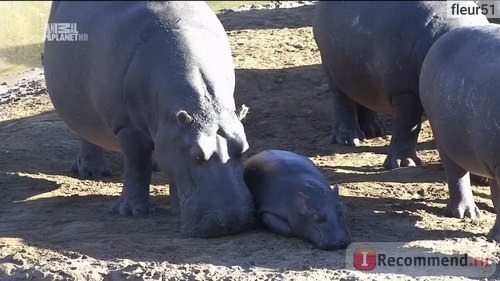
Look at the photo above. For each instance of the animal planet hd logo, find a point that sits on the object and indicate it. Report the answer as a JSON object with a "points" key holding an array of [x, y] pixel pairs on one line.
{"points": [[64, 31]]}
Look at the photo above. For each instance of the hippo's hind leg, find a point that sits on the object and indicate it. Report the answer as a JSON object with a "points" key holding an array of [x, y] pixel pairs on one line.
{"points": [[370, 123], [346, 128], [495, 197], [137, 150], [407, 112], [90, 162], [461, 202], [276, 224]]}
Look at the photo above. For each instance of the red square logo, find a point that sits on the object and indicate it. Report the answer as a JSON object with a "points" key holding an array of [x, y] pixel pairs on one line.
{"points": [[365, 259]]}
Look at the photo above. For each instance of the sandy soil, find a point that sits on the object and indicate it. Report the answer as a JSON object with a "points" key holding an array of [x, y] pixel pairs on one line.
{"points": [[54, 226]]}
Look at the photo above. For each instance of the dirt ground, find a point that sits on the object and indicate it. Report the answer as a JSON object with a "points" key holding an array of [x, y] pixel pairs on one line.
{"points": [[54, 226]]}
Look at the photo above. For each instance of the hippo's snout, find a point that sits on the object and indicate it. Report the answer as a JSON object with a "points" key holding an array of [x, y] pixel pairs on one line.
{"points": [[219, 222], [339, 239]]}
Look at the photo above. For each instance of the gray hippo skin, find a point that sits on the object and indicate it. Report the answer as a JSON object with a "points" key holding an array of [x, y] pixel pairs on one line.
{"points": [[372, 53], [155, 77], [293, 198], [460, 94]]}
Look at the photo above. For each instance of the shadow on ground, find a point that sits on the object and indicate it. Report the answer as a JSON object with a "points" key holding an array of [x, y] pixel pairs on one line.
{"points": [[79, 223]]}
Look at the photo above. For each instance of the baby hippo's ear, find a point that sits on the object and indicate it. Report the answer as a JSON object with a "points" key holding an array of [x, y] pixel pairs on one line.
{"points": [[302, 203], [335, 189]]}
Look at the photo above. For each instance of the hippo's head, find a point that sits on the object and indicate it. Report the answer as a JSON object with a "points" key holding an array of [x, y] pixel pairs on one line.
{"points": [[201, 152], [321, 219]]}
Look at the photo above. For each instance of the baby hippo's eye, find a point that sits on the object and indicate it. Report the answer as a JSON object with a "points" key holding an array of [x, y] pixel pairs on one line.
{"points": [[318, 217]]}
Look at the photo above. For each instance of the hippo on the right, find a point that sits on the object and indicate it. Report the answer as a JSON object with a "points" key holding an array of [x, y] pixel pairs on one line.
{"points": [[460, 93]]}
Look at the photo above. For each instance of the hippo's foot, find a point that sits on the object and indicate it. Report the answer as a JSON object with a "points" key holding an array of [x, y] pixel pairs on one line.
{"points": [[462, 209], [90, 162], [134, 207], [402, 159], [407, 116], [373, 128], [90, 169], [348, 136], [370, 123]]}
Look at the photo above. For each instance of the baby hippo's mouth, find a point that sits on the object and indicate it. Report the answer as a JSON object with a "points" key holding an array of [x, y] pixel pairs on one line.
{"points": [[328, 242]]}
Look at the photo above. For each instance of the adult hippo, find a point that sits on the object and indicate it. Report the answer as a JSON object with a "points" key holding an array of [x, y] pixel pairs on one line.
{"points": [[459, 89], [293, 198], [372, 53], [154, 78]]}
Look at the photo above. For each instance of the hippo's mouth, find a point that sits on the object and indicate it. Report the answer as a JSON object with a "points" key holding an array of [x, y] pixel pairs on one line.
{"points": [[214, 202]]}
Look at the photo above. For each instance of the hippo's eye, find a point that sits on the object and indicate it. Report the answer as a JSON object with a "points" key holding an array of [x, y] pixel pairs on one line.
{"points": [[319, 218]]}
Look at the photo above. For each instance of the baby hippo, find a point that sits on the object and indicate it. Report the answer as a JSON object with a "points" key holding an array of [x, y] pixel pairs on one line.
{"points": [[460, 92], [293, 198]]}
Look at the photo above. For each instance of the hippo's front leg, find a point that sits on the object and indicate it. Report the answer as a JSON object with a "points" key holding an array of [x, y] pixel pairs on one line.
{"points": [[137, 150], [495, 197], [407, 112], [461, 202], [276, 224], [90, 162]]}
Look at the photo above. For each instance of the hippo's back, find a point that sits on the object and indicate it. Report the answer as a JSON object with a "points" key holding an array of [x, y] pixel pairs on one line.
{"points": [[131, 48]]}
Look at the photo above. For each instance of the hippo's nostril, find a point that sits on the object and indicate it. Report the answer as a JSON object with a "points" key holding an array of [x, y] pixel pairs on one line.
{"points": [[219, 218]]}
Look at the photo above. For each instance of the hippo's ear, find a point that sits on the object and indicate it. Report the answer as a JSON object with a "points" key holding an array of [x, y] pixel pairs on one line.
{"points": [[184, 118], [243, 112], [335, 189], [303, 203]]}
